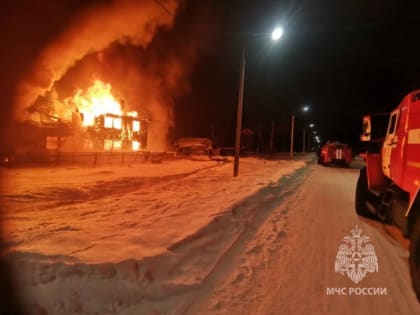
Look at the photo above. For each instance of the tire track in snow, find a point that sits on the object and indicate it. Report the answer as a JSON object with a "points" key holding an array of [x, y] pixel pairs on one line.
{"points": [[252, 212], [295, 279]]}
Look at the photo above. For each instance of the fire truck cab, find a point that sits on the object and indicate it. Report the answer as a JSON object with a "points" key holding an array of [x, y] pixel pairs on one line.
{"points": [[388, 187]]}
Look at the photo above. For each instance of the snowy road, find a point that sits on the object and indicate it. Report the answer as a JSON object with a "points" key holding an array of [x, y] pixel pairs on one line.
{"points": [[288, 265]]}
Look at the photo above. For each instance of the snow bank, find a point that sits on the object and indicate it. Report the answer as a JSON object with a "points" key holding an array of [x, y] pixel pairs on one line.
{"points": [[118, 239]]}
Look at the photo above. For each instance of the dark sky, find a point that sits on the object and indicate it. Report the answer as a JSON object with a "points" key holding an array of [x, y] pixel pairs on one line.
{"points": [[343, 58]]}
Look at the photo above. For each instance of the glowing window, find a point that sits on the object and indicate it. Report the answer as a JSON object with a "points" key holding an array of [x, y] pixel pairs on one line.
{"points": [[52, 143], [136, 125], [132, 114], [107, 145], [135, 145], [108, 122], [117, 123], [117, 144]]}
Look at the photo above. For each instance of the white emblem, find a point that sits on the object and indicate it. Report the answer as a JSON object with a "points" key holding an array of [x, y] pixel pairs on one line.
{"points": [[356, 256]]}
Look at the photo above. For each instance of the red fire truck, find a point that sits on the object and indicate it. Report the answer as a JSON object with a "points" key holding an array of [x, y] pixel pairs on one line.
{"points": [[388, 187], [335, 153]]}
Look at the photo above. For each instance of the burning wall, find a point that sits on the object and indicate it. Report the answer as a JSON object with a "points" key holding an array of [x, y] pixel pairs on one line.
{"points": [[114, 42]]}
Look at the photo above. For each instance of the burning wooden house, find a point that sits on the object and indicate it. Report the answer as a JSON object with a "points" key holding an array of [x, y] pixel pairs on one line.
{"points": [[90, 121]]}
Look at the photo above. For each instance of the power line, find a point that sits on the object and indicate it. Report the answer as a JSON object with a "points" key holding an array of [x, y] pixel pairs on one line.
{"points": [[159, 3]]}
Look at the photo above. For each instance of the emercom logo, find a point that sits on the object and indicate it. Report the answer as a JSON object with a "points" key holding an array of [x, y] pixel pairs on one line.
{"points": [[356, 256]]}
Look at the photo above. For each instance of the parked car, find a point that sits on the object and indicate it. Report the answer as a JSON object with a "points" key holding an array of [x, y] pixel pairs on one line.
{"points": [[194, 146]]}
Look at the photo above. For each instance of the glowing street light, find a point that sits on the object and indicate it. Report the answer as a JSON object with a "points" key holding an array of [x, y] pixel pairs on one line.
{"points": [[304, 134], [275, 35], [292, 129]]}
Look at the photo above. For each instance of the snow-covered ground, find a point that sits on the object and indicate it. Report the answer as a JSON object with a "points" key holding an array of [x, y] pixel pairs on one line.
{"points": [[129, 239], [285, 263]]}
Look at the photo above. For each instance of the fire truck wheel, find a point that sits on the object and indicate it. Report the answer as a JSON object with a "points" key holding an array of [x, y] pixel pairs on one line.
{"points": [[362, 194], [415, 257]]}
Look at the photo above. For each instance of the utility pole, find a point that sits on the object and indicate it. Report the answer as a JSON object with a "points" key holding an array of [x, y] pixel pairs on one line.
{"points": [[303, 140], [272, 137], [239, 115], [292, 131], [309, 143]]}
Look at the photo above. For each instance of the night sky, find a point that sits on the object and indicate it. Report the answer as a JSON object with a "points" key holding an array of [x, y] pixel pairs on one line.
{"points": [[342, 58]]}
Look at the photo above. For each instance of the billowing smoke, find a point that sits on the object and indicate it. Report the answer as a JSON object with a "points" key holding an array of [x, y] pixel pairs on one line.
{"points": [[115, 42]]}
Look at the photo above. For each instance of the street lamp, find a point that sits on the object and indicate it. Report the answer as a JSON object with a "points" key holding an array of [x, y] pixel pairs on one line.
{"points": [[304, 136], [275, 35], [292, 129]]}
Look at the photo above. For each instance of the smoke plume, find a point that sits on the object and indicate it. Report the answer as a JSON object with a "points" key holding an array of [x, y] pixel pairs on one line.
{"points": [[111, 42]]}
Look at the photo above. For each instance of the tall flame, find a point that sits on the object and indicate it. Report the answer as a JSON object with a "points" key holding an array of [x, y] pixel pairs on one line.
{"points": [[95, 101]]}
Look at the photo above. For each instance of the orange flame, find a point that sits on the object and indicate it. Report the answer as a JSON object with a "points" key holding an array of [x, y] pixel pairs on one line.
{"points": [[95, 101]]}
